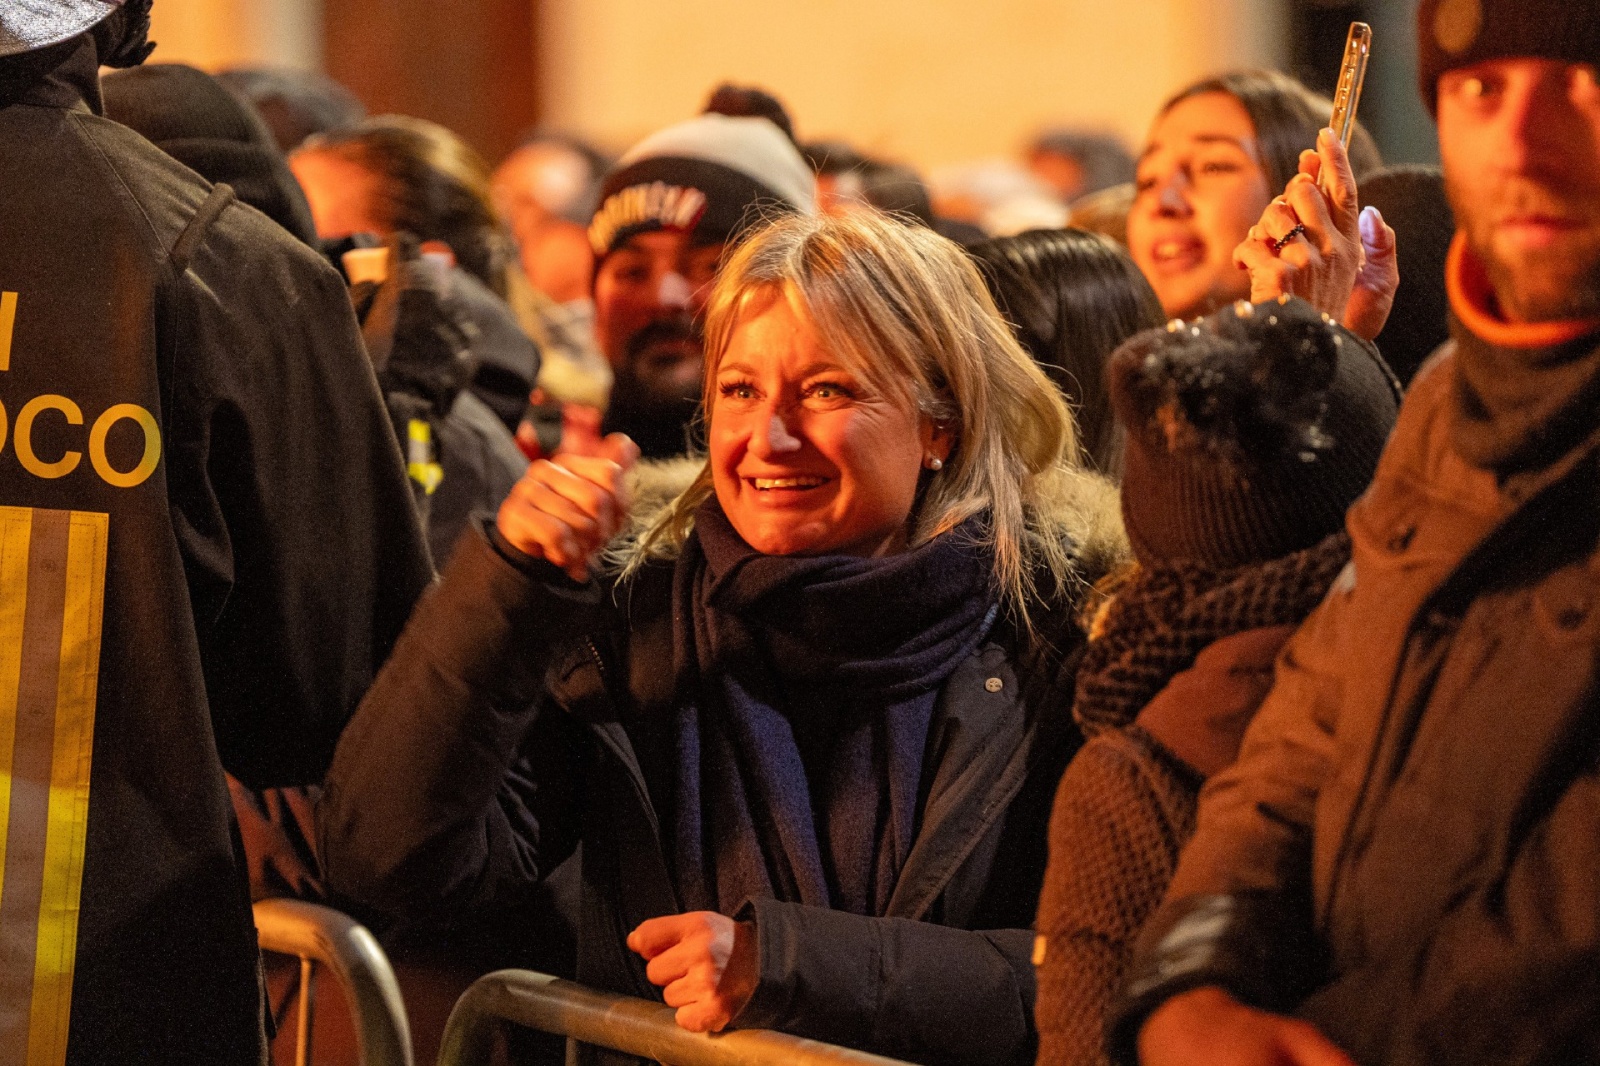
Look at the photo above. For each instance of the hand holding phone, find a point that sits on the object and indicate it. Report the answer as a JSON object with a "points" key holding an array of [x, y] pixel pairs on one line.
{"points": [[1313, 241]]}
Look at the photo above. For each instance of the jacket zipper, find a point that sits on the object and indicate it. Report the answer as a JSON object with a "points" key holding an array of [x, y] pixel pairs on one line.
{"points": [[599, 662]]}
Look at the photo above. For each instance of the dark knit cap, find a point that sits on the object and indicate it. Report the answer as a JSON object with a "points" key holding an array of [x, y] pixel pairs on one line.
{"points": [[1458, 33], [710, 176], [1249, 433], [189, 115], [1412, 200]]}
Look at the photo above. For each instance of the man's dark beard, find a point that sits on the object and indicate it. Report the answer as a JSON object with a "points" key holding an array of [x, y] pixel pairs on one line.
{"points": [[1546, 285], [655, 398]]}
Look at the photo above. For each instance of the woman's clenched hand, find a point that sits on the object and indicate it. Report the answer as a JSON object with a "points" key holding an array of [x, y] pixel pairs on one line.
{"points": [[565, 509], [705, 964]]}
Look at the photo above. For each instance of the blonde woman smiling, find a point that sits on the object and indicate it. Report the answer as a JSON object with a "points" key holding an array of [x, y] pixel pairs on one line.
{"points": [[808, 734]]}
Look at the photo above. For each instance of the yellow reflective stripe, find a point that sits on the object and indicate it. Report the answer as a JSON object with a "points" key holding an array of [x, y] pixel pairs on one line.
{"points": [[69, 789], [52, 597], [16, 525], [420, 465]]}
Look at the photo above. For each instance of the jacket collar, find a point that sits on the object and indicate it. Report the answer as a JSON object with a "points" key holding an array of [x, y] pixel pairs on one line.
{"points": [[1524, 392], [65, 76], [1473, 301]]}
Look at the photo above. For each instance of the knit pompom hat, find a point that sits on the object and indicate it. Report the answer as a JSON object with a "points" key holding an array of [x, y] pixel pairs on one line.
{"points": [[709, 176], [1249, 433], [1459, 33]]}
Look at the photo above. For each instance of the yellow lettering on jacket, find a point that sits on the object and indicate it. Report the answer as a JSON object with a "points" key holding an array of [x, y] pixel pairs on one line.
{"points": [[22, 432], [97, 446], [24, 436], [8, 319]]}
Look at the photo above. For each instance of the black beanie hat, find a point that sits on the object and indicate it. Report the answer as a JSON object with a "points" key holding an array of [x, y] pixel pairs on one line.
{"points": [[1458, 33], [710, 176], [1249, 433], [189, 115]]}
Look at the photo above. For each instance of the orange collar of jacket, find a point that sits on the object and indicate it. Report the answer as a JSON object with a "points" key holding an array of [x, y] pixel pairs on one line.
{"points": [[1472, 300]]}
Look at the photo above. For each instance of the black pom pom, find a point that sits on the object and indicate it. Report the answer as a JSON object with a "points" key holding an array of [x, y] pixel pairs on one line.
{"points": [[1247, 387]]}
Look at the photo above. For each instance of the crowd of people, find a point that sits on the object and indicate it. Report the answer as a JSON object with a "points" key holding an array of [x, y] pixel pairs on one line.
{"points": [[1148, 619]]}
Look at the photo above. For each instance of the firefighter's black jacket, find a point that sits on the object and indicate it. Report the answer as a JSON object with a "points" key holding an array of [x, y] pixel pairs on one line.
{"points": [[206, 548]]}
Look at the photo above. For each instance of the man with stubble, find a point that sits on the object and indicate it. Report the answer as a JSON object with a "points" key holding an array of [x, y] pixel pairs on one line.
{"points": [[667, 214]]}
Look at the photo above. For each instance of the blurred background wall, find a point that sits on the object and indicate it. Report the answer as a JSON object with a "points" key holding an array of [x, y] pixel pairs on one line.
{"points": [[223, 33], [926, 81], [930, 81]]}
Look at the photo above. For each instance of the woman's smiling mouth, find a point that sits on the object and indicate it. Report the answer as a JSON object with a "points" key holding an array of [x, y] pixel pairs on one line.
{"points": [[767, 484]]}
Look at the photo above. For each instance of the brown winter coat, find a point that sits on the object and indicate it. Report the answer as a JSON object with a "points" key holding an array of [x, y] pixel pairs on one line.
{"points": [[1419, 790]]}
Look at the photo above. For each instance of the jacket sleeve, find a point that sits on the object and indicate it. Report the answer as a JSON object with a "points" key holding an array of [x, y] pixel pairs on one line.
{"points": [[1238, 912], [1123, 809], [289, 499], [456, 782], [893, 986]]}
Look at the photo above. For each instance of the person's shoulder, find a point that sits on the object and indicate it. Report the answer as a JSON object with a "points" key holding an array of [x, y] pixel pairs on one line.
{"points": [[166, 198], [1420, 455], [250, 243], [1086, 508], [156, 193], [1431, 388]]}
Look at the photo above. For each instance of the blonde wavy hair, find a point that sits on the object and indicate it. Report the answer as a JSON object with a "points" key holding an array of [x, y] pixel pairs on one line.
{"points": [[907, 310]]}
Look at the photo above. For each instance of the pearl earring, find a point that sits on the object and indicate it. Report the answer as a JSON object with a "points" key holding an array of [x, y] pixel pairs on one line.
{"points": [[935, 463]]}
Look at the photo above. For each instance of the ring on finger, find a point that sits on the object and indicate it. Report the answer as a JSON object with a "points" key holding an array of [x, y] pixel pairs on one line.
{"points": [[1288, 238]]}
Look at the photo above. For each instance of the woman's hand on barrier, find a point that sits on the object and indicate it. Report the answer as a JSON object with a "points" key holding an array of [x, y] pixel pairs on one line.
{"points": [[705, 964], [565, 509], [1317, 243], [1208, 1027]]}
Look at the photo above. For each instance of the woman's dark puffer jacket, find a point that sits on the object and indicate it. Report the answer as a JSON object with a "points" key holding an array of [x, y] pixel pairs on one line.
{"points": [[523, 714]]}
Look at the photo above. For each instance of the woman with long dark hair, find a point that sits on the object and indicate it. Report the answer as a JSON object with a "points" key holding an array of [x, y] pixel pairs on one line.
{"points": [[1230, 204], [1071, 297]]}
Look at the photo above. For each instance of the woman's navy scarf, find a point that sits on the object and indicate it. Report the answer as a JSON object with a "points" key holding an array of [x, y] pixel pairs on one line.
{"points": [[808, 685]]}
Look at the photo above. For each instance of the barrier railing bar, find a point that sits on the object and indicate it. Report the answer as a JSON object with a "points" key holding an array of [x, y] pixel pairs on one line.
{"points": [[315, 934], [621, 1023], [308, 996]]}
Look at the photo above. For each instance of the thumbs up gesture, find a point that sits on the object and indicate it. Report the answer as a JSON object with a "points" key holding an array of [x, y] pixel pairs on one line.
{"points": [[566, 509]]}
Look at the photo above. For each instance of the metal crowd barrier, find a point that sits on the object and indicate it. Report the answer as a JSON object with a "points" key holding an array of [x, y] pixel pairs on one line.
{"points": [[621, 1023], [318, 934]]}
